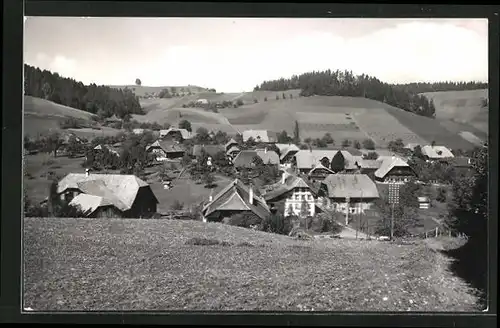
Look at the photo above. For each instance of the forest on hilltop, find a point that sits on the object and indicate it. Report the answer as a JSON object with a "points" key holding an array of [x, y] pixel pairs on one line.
{"points": [[345, 83], [101, 100]]}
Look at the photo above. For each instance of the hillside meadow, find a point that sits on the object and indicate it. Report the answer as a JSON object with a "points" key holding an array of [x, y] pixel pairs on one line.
{"points": [[121, 265]]}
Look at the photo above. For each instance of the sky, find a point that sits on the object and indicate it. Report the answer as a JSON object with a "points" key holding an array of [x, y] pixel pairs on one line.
{"points": [[236, 54]]}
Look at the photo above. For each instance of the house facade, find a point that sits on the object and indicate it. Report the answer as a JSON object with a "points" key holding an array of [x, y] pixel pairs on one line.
{"points": [[175, 134], [291, 194], [348, 193], [164, 150], [234, 199], [437, 153], [319, 172], [394, 170]]}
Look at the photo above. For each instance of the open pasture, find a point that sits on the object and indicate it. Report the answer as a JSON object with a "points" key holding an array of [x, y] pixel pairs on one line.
{"points": [[383, 128]]}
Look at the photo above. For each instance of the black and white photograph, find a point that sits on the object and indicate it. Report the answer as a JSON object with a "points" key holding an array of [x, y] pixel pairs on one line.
{"points": [[255, 164]]}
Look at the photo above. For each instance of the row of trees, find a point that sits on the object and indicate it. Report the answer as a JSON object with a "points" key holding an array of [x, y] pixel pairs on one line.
{"points": [[101, 100], [345, 83]]}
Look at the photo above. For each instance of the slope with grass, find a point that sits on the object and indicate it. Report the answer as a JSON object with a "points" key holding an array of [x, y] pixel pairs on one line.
{"points": [[42, 116], [82, 264], [462, 107]]}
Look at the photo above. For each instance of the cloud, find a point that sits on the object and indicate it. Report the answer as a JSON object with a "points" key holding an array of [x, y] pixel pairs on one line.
{"points": [[62, 65]]}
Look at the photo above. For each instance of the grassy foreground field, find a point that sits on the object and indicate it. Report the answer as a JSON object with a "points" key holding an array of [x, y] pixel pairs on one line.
{"points": [[84, 264]]}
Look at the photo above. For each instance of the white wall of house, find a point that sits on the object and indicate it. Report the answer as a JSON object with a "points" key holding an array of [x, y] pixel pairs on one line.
{"points": [[354, 207], [296, 198]]}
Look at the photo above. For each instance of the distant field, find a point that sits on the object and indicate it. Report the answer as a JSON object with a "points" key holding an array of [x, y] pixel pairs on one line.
{"points": [[142, 90], [382, 128], [471, 138], [35, 125], [42, 107], [460, 106], [122, 265], [429, 129]]}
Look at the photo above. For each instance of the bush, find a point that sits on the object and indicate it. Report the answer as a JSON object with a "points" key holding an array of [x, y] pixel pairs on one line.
{"points": [[239, 102], [265, 98], [177, 205], [278, 224], [245, 220], [368, 144], [255, 101], [441, 195]]}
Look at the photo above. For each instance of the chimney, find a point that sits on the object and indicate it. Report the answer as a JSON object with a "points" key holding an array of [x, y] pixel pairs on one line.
{"points": [[87, 172], [250, 194]]}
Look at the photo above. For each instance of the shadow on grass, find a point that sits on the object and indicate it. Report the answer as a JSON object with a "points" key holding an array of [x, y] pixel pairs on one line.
{"points": [[471, 264]]}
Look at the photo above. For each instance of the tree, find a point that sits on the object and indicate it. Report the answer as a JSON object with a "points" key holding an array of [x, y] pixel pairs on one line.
{"points": [[321, 143], [338, 162], [371, 155], [277, 97], [202, 135], [283, 137], [325, 162], [138, 82], [284, 96], [296, 133], [208, 180], [74, 146], [255, 101], [346, 143], [417, 152], [177, 205], [328, 138], [239, 138], [53, 142], [265, 98], [357, 144], [368, 144], [239, 102], [185, 124], [396, 145]]}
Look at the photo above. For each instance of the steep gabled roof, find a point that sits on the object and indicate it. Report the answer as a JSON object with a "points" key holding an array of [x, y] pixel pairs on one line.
{"points": [[184, 133], [320, 167], [268, 157], [245, 158], [388, 164], [123, 187], [292, 149], [235, 196], [307, 159], [369, 163], [436, 152], [231, 142], [232, 149], [291, 182], [166, 146], [350, 185], [90, 203], [261, 135]]}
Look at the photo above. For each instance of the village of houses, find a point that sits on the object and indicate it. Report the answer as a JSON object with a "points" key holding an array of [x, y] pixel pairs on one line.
{"points": [[306, 182]]}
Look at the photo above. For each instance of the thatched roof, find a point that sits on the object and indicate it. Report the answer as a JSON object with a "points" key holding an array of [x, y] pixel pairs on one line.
{"points": [[235, 197], [436, 152], [123, 187], [350, 185], [308, 159], [388, 164]]}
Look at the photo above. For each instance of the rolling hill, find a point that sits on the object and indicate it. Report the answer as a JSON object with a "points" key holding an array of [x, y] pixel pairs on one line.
{"points": [[343, 117], [464, 107], [42, 116], [141, 91]]}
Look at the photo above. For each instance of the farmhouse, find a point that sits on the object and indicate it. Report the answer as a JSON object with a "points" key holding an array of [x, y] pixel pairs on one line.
{"points": [[230, 144], [175, 134], [103, 195], [436, 153], [202, 101], [287, 153], [411, 146], [394, 170], [138, 131], [259, 136], [235, 198], [113, 119], [246, 158], [348, 192], [290, 194], [233, 151], [210, 150], [165, 150], [111, 149], [305, 160], [461, 163], [319, 172], [368, 166]]}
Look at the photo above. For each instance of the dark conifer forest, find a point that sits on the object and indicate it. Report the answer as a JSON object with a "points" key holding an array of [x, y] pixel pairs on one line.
{"points": [[101, 100], [345, 83]]}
